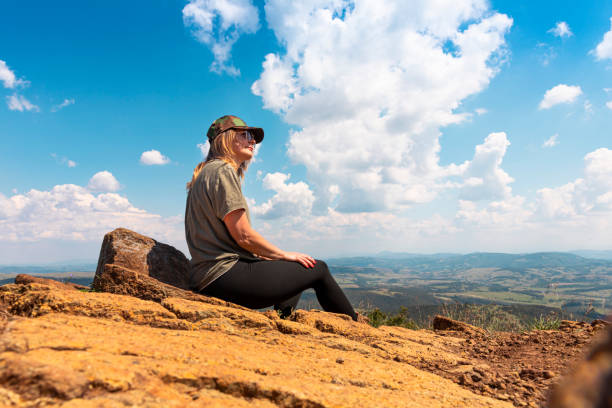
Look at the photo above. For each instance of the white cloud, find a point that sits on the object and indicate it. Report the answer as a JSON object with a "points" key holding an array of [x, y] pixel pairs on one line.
{"points": [[582, 196], [153, 157], [368, 85], [290, 199], [8, 77], [484, 177], [576, 214], [20, 103], [551, 141], [588, 108], [103, 181], [219, 24], [71, 212], [204, 148], [481, 111], [66, 102], [560, 94], [609, 105], [561, 29], [508, 214], [547, 53], [604, 48], [64, 160]]}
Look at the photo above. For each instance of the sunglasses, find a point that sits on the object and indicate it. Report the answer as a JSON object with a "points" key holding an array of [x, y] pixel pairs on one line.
{"points": [[248, 136]]}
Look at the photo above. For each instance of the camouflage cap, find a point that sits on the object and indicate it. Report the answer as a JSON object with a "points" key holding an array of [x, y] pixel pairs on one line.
{"points": [[232, 122]]}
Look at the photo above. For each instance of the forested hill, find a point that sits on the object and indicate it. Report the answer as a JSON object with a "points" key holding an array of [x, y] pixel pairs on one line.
{"points": [[453, 262]]}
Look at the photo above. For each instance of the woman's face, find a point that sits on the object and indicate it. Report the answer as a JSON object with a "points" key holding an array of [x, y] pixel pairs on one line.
{"points": [[243, 146]]}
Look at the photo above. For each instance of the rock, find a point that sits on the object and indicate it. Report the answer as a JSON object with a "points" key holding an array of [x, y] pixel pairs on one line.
{"points": [[24, 279], [122, 281], [600, 324], [34, 380], [64, 347], [590, 384], [145, 256], [445, 323], [570, 325]]}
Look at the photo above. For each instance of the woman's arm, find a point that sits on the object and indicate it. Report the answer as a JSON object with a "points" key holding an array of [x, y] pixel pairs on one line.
{"points": [[240, 229]]}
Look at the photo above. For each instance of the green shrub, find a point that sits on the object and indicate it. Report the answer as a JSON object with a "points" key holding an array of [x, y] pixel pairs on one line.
{"points": [[548, 322], [379, 318]]}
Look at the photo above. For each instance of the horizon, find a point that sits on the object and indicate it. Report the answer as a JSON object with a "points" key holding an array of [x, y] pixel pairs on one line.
{"points": [[447, 127], [383, 254]]}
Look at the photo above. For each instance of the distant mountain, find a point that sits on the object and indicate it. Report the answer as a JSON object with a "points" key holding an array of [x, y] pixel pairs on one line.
{"points": [[587, 253], [406, 255], [53, 268], [452, 262]]}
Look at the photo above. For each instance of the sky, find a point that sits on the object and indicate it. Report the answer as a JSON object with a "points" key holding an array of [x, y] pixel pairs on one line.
{"points": [[406, 126]]}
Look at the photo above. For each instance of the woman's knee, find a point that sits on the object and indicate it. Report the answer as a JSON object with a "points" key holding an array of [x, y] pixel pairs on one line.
{"points": [[321, 267]]}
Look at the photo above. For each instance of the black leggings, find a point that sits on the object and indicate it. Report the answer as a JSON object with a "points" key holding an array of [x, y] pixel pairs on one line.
{"points": [[260, 284]]}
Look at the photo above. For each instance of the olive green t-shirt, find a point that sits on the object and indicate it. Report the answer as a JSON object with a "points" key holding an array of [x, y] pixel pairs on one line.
{"points": [[215, 193]]}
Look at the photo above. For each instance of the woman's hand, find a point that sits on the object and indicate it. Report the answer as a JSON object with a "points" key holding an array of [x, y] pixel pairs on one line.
{"points": [[238, 225], [306, 260]]}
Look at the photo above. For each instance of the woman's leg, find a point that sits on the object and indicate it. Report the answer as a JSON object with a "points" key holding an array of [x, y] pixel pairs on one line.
{"points": [[265, 283], [287, 307]]}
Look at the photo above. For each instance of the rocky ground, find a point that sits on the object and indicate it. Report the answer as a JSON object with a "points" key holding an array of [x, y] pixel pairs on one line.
{"points": [[140, 339], [516, 367], [61, 346]]}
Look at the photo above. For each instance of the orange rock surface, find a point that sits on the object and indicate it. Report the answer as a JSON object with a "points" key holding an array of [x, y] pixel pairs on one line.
{"points": [[70, 348]]}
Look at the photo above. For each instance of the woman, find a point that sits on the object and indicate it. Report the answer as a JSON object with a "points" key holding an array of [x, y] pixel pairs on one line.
{"points": [[229, 259]]}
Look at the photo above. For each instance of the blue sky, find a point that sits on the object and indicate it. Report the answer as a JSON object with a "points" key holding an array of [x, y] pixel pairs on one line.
{"points": [[406, 126]]}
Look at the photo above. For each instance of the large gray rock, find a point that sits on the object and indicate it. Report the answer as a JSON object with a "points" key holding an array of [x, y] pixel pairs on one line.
{"points": [[143, 255]]}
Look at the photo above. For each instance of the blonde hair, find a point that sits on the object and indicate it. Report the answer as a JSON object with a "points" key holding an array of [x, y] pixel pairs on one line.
{"points": [[221, 148]]}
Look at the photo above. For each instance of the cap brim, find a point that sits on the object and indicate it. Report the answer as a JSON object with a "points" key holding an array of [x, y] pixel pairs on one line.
{"points": [[257, 132]]}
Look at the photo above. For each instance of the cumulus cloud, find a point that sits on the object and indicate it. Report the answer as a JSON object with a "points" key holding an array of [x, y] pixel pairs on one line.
{"points": [[71, 212], [481, 111], [218, 24], [66, 102], [20, 103], [560, 94], [578, 198], [153, 157], [609, 105], [505, 215], [561, 29], [604, 48], [103, 181], [290, 199], [551, 141], [368, 85], [484, 177], [8, 78]]}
